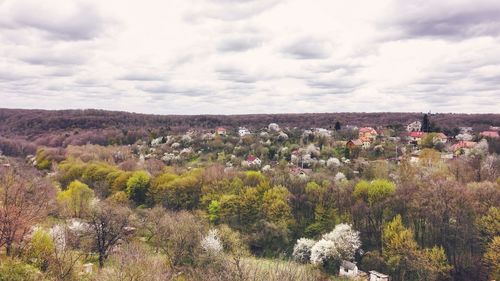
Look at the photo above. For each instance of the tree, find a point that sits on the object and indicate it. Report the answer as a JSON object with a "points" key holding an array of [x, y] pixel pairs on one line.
{"points": [[425, 123], [407, 261], [346, 240], [400, 250], [175, 234], [372, 207], [339, 244], [24, 201], [40, 249], [337, 126], [76, 200], [137, 186], [135, 261], [302, 249], [492, 258], [109, 223]]}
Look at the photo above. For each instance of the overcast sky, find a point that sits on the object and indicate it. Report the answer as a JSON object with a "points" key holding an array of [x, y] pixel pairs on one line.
{"points": [[251, 56]]}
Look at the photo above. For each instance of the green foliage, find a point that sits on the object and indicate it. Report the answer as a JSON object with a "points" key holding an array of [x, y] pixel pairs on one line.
{"points": [[406, 261], [40, 249], [214, 211], [254, 178], [75, 201], [137, 186], [375, 191], [177, 191], [15, 270], [42, 162], [492, 258], [489, 224], [400, 249], [436, 264], [275, 206]]}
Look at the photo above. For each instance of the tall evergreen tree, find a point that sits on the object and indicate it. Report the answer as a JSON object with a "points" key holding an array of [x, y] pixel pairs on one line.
{"points": [[337, 126], [425, 123]]}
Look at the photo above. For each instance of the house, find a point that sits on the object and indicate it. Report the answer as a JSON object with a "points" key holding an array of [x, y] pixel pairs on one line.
{"points": [[296, 171], [464, 137], [349, 269], [367, 134], [439, 138], [415, 136], [377, 276], [414, 127], [494, 128], [221, 131], [354, 143], [253, 161], [273, 127], [490, 134], [242, 131], [322, 132], [462, 146], [465, 130]]}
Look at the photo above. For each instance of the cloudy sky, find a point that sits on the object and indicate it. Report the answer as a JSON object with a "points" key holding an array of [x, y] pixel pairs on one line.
{"points": [[251, 56]]}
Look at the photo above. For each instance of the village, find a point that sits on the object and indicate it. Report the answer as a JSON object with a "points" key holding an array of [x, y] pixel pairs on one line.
{"points": [[309, 150]]}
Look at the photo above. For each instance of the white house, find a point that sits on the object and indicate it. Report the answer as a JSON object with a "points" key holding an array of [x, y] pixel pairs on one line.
{"points": [[242, 131], [414, 126], [348, 269], [377, 276], [254, 161]]}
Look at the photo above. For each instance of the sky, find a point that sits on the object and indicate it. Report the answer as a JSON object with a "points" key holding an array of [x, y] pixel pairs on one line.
{"points": [[251, 56]]}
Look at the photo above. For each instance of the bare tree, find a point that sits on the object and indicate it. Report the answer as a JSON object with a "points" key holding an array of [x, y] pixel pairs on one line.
{"points": [[109, 224], [24, 202]]}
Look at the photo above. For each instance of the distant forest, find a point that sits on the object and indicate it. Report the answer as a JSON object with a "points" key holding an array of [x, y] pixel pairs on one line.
{"points": [[22, 130]]}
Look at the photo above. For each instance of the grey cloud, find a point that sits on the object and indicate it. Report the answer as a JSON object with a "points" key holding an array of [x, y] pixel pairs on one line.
{"points": [[82, 22], [141, 76], [166, 88], [235, 75], [8, 76], [307, 48], [446, 19], [335, 85], [238, 44], [231, 10], [54, 58]]}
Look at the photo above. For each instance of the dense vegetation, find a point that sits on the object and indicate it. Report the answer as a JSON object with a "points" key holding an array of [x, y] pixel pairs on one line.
{"points": [[132, 212], [22, 131]]}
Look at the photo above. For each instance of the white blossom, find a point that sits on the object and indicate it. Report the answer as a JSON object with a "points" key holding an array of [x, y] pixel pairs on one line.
{"points": [[212, 243], [58, 235], [345, 239], [340, 177], [322, 251], [302, 249], [333, 162]]}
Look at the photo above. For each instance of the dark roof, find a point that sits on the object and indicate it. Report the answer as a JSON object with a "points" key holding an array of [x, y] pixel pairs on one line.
{"points": [[348, 265]]}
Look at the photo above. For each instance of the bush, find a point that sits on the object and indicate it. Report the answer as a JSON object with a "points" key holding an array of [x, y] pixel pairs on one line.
{"points": [[15, 270]]}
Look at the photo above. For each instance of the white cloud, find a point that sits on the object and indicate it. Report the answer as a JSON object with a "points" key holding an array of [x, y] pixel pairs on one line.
{"points": [[250, 56]]}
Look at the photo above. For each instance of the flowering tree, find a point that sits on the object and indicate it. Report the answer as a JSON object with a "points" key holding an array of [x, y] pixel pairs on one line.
{"points": [[341, 243], [346, 240], [212, 243], [323, 251], [302, 250]]}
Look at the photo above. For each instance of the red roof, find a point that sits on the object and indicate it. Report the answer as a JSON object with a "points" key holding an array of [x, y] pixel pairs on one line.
{"points": [[367, 130], [463, 144], [251, 158], [221, 129], [416, 134], [490, 134]]}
